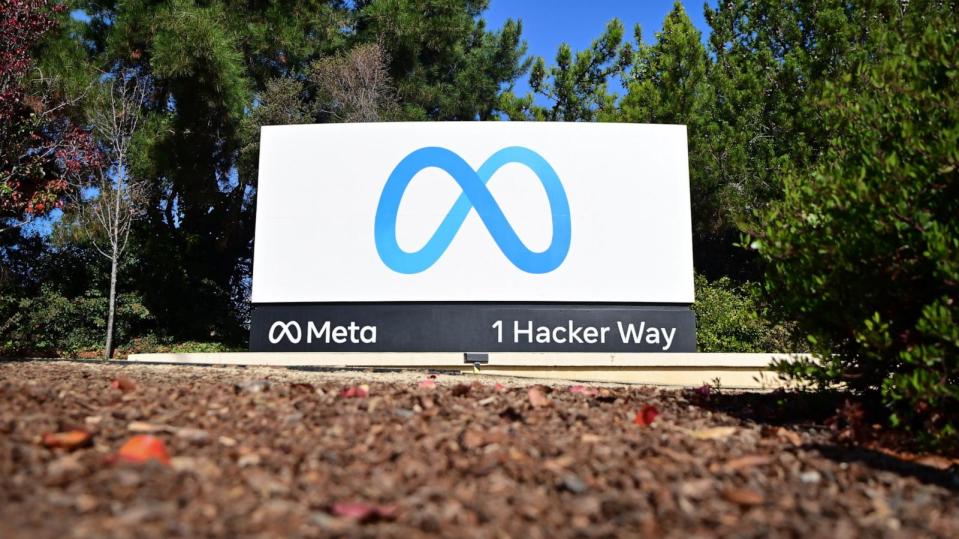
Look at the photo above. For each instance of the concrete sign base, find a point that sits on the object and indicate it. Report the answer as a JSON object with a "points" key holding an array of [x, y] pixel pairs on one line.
{"points": [[746, 371]]}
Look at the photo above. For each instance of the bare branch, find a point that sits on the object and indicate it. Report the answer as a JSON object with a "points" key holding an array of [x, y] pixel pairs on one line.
{"points": [[118, 193], [356, 86]]}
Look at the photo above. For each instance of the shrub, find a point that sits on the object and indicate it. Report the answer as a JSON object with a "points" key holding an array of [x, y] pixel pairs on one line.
{"points": [[864, 249], [51, 324], [151, 344], [731, 318]]}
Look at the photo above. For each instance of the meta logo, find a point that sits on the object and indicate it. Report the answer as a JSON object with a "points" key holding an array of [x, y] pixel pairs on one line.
{"points": [[475, 195], [325, 332]]}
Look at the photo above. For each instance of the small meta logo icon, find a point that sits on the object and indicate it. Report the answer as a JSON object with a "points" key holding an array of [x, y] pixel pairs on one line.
{"points": [[285, 330], [475, 195]]}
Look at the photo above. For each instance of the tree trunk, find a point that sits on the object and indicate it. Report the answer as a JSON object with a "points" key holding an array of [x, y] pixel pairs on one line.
{"points": [[108, 349]]}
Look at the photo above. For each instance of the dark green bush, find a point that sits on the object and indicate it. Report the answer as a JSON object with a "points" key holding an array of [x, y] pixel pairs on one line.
{"points": [[864, 249], [731, 318], [51, 324]]}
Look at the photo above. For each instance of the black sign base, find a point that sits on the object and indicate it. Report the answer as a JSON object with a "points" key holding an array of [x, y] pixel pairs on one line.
{"points": [[483, 327]]}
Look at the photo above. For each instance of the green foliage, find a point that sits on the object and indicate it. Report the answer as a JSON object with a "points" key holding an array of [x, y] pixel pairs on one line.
{"points": [[221, 69], [863, 249], [51, 324], [733, 318], [667, 82], [151, 344], [770, 60], [574, 87], [445, 63]]}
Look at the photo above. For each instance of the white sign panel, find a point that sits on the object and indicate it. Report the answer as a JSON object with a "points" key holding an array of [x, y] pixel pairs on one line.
{"points": [[471, 211]]}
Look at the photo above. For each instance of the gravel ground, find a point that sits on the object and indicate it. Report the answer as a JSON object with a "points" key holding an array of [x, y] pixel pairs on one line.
{"points": [[274, 452]]}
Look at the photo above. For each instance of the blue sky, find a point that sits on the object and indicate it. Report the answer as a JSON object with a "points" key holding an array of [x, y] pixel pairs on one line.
{"points": [[548, 23]]}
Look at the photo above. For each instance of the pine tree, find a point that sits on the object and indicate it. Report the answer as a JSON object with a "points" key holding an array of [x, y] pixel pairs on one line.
{"points": [[575, 88]]}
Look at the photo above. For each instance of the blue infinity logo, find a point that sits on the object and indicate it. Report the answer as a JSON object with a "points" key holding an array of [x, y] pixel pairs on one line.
{"points": [[475, 195]]}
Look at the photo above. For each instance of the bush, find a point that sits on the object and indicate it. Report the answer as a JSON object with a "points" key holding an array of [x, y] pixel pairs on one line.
{"points": [[864, 249], [150, 344], [51, 324], [730, 318]]}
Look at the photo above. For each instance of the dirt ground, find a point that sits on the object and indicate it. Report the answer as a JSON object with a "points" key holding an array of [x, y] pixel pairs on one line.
{"points": [[276, 452]]}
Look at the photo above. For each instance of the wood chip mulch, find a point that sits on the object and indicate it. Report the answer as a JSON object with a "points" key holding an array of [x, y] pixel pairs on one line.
{"points": [[139, 451]]}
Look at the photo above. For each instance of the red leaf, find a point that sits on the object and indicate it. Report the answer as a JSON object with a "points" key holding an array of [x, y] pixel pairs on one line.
{"points": [[355, 392], [427, 384], [70, 439], [123, 383], [499, 388], [646, 415], [364, 512], [143, 448]]}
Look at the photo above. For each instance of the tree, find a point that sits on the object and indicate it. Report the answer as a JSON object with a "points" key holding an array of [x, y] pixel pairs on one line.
{"points": [[667, 82], [41, 148], [355, 86], [120, 192], [443, 61], [862, 249], [206, 61], [213, 65], [575, 89], [771, 60], [351, 86]]}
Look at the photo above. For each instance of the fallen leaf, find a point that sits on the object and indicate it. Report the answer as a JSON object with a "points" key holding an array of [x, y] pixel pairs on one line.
{"points": [[461, 390], [427, 384], [744, 496], [143, 448], [589, 391], [749, 461], [715, 433], [590, 438], [537, 398], [123, 383], [355, 392], [363, 512], [70, 439], [646, 415], [499, 388]]}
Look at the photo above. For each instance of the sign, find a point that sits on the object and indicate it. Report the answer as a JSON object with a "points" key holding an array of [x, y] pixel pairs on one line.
{"points": [[473, 236]]}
